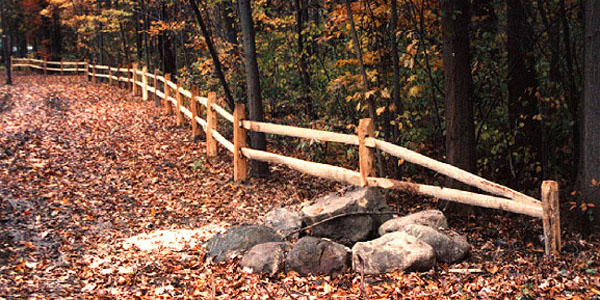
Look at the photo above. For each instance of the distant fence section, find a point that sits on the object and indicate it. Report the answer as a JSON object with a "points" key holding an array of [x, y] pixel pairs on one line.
{"points": [[203, 114]]}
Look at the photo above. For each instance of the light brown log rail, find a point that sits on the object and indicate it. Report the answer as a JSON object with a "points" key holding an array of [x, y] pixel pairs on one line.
{"points": [[171, 93]]}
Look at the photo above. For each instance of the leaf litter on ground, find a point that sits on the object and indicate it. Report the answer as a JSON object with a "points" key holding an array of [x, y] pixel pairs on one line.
{"points": [[102, 196]]}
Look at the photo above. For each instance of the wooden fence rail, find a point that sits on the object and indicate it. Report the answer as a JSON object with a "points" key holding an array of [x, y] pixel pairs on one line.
{"points": [[174, 97]]}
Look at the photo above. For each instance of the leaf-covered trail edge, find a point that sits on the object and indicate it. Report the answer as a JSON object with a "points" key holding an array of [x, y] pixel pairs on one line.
{"points": [[84, 168]]}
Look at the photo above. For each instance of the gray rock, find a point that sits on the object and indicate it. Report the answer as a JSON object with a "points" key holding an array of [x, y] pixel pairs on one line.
{"points": [[237, 240], [449, 248], [267, 258], [284, 221], [350, 229], [432, 217], [393, 251], [312, 255]]}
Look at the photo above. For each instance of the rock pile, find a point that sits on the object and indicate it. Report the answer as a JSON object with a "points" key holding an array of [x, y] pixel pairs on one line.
{"points": [[358, 218]]}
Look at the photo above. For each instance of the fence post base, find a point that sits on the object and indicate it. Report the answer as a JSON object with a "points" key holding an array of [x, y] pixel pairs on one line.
{"points": [[167, 107], [240, 163], [211, 123], [551, 217], [366, 155]]}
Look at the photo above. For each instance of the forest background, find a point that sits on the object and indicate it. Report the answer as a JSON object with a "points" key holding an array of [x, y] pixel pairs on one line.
{"points": [[508, 89]]}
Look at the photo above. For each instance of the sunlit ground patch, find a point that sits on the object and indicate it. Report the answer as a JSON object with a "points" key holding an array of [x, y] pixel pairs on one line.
{"points": [[174, 239]]}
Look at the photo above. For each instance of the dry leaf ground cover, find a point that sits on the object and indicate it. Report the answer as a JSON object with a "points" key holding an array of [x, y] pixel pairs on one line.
{"points": [[104, 197]]}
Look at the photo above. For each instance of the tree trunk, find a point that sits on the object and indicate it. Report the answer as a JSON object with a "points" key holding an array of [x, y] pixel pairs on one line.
{"points": [[301, 15], [396, 80], [56, 34], [573, 94], [5, 44], [460, 128], [365, 79], [522, 85], [257, 139], [213, 55], [166, 45], [138, 35], [589, 166], [124, 42]]}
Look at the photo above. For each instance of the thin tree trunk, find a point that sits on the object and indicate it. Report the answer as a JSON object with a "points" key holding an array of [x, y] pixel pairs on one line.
{"points": [[301, 9], [396, 79], [257, 139], [363, 71], [460, 128], [366, 84], [138, 36], [213, 55], [573, 95], [147, 28], [522, 85], [124, 41], [5, 44]]}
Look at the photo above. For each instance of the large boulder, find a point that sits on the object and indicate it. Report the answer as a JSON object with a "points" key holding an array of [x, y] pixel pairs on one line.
{"points": [[393, 251], [432, 217], [237, 240], [284, 221], [267, 258], [350, 229], [313, 255], [449, 248]]}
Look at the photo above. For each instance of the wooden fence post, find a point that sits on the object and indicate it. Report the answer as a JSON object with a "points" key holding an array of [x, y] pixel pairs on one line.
{"points": [[29, 66], [156, 98], [240, 163], [551, 217], [110, 79], [195, 106], [87, 70], [94, 74], [62, 67], [45, 68], [366, 155], [76, 68], [179, 104], [211, 123], [134, 76], [167, 105], [144, 83]]}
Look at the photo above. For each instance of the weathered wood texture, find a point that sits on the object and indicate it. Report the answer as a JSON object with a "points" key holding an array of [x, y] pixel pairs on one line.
{"points": [[551, 217]]}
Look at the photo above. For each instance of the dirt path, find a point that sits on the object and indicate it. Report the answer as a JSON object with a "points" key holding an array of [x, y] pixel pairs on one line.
{"points": [[84, 167], [103, 197]]}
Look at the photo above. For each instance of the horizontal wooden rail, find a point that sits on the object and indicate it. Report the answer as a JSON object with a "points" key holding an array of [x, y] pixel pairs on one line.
{"points": [[458, 196], [311, 168], [222, 140], [453, 172], [225, 114], [306, 133]]}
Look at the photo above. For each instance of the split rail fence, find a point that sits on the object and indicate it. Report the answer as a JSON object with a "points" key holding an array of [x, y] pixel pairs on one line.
{"points": [[172, 95]]}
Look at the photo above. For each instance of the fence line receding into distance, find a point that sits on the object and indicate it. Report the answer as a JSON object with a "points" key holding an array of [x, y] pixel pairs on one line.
{"points": [[173, 98]]}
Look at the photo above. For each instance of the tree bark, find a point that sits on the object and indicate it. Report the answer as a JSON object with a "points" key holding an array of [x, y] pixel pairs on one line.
{"points": [[5, 44], [522, 85], [213, 55], [363, 71], [396, 79], [589, 166], [257, 139], [365, 79], [301, 15], [460, 129]]}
